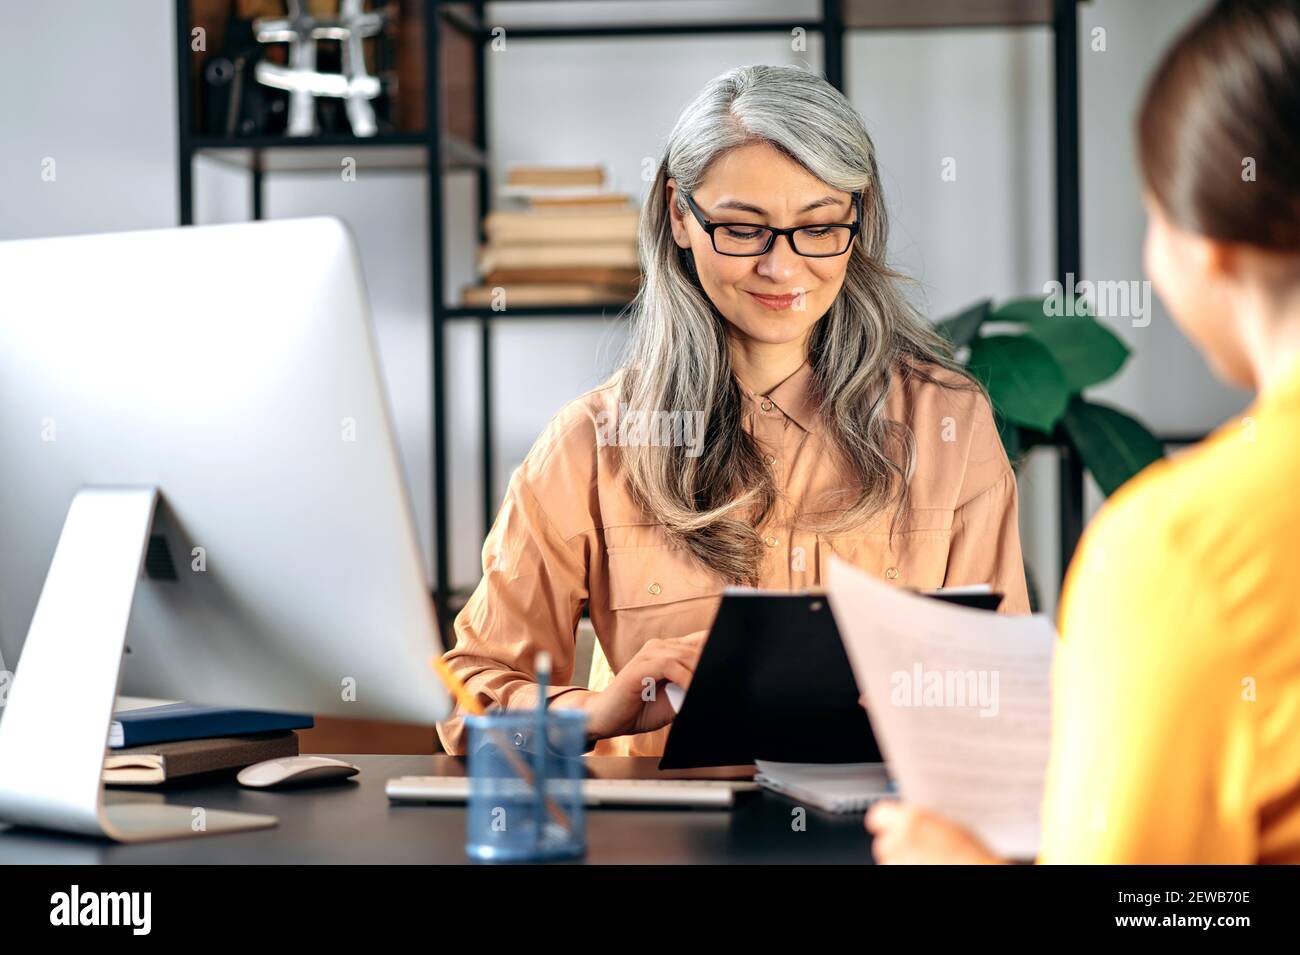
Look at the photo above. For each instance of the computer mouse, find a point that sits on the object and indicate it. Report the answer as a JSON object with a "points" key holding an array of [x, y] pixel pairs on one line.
{"points": [[295, 771]]}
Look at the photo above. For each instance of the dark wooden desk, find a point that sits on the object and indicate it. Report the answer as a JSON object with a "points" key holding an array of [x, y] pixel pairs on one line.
{"points": [[353, 822]]}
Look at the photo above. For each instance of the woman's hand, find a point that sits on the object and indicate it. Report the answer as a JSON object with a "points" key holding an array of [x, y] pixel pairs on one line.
{"points": [[903, 834], [635, 702]]}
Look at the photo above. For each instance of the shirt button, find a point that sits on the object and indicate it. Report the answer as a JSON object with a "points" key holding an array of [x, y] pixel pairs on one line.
{"points": [[654, 588], [891, 573], [766, 405], [769, 459], [770, 541]]}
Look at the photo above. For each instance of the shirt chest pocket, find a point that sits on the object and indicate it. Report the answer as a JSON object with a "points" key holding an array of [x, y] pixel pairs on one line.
{"points": [[662, 583], [916, 557]]}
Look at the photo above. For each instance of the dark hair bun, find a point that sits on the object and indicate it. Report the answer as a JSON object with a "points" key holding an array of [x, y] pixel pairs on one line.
{"points": [[1219, 127]]}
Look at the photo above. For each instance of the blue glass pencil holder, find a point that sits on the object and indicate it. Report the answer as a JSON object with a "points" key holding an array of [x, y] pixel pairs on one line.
{"points": [[525, 795]]}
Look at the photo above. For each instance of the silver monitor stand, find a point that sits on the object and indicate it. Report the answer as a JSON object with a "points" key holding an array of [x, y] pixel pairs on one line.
{"points": [[210, 390], [57, 716]]}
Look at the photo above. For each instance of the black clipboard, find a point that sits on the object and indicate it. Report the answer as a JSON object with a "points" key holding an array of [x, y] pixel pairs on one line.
{"points": [[774, 682]]}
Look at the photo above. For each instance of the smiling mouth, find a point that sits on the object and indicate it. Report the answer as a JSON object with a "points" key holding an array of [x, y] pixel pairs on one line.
{"points": [[775, 302]]}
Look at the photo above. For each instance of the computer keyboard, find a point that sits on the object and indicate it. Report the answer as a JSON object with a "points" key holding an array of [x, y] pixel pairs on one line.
{"points": [[699, 793]]}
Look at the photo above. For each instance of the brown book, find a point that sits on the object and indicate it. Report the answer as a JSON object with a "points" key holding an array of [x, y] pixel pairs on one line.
{"points": [[578, 202], [560, 254], [550, 293], [155, 763], [555, 176], [618, 204], [592, 275], [606, 225]]}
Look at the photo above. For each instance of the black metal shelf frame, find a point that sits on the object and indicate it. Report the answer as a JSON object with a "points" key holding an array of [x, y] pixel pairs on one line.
{"points": [[437, 153]]}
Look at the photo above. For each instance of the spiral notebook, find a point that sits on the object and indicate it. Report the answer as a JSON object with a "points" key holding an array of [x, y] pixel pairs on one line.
{"points": [[833, 787]]}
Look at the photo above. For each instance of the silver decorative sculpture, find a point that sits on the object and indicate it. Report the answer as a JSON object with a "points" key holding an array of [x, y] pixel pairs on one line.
{"points": [[354, 85]]}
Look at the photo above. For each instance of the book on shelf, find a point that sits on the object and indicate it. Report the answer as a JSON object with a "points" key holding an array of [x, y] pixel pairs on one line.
{"points": [[155, 763], [590, 274], [559, 254], [546, 293], [579, 203], [558, 236], [602, 225], [555, 176]]}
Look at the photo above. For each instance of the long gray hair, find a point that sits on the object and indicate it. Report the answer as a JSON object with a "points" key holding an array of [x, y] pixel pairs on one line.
{"points": [[712, 501]]}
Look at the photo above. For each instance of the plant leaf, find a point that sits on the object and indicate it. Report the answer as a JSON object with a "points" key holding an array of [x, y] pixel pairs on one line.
{"points": [[1019, 310], [1025, 310], [1087, 351], [1023, 379], [961, 328], [1113, 445]]}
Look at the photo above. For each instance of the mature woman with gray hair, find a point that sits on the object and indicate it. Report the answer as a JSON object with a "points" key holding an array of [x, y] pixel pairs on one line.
{"points": [[780, 403]]}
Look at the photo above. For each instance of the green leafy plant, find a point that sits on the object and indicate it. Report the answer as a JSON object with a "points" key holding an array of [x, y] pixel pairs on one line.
{"points": [[1036, 367]]}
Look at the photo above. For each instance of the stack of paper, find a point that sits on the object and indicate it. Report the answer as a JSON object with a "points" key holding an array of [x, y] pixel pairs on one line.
{"points": [[834, 787]]}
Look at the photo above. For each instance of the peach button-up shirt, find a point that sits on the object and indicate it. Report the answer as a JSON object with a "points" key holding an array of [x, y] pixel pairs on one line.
{"points": [[569, 537]]}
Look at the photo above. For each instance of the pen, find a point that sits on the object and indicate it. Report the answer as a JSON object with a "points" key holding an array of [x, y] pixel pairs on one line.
{"points": [[542, 667]]}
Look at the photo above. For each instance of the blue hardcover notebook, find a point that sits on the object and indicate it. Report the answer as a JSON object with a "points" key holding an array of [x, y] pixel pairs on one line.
{"points": [[176, 721]]}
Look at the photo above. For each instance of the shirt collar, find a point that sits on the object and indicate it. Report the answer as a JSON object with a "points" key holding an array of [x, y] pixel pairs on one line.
{"points": [[793, 397]]}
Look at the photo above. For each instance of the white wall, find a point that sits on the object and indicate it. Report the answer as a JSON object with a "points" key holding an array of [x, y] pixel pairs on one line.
{"points": [[106, 117], [1166, 381], [980, 96]]}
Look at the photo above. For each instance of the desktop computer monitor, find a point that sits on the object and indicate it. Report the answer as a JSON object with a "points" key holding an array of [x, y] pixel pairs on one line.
{"points": [[196, 419]]}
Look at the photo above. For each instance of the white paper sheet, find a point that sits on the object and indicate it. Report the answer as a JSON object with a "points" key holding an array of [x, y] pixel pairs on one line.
{"points": [[959, 701]]}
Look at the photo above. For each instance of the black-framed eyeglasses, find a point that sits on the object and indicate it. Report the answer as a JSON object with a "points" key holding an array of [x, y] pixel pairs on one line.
{"points": [[813, 241]]}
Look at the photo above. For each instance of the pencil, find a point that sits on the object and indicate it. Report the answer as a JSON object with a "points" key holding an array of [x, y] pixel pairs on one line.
{"points": [[464, 699], [470, 705]]}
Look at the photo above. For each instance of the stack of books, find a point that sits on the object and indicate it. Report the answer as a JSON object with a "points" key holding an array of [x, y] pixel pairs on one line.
{"points": [[154, 744], [560, 237]]}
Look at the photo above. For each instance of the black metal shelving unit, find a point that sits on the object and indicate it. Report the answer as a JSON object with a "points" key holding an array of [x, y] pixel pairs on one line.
{"points": [[430, 151], [435, 153]]}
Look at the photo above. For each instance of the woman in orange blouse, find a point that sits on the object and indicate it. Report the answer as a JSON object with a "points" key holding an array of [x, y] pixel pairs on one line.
{"points": [[780, 403], [1176, 683]]}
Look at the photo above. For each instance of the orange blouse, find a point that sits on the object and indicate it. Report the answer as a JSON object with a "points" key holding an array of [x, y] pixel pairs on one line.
{"points": [[569, 537]]}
